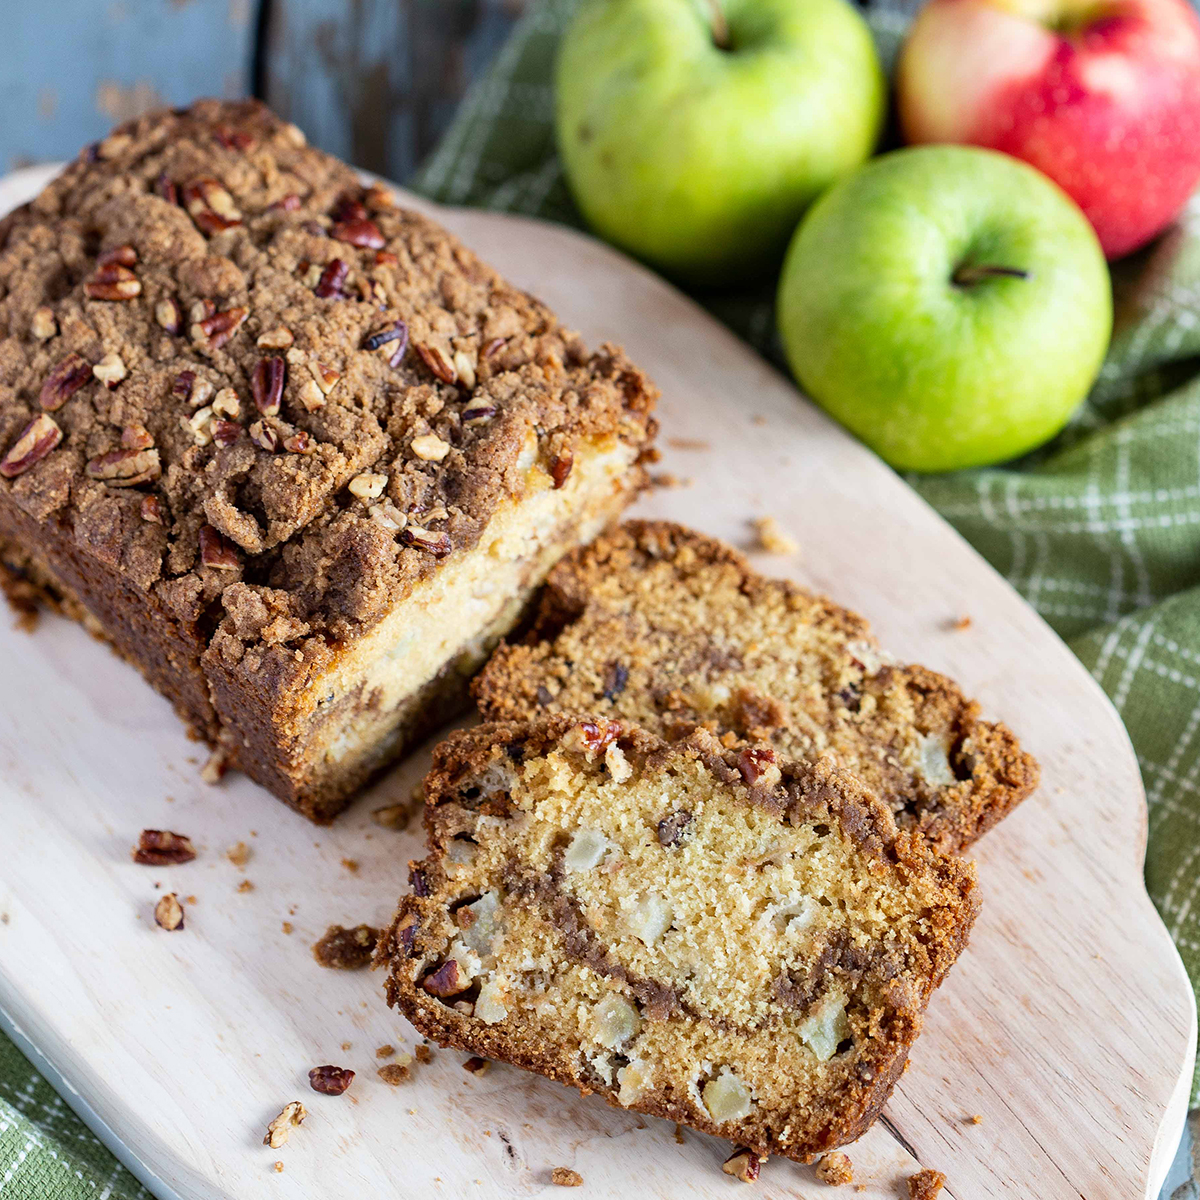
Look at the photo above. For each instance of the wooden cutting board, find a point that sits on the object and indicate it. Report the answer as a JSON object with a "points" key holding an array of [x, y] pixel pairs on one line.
{"points": [[1068, 1025]]}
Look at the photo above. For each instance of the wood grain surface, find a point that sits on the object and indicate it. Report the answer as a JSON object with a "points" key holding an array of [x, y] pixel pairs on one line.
{"points": [[1068, 1025]]}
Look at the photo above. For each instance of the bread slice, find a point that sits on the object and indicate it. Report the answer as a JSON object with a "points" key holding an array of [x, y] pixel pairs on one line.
{"points": [[665, 627], [737, 943]]}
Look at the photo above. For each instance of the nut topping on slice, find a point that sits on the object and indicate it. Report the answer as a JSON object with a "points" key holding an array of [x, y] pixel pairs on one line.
{"points": [[264, 436], [325, 376], [210, 206], [136, 437], [430, 447], [200, 423], [122, 256], [299, 443], [330, 282], [266, 382], [36, 440], [360, 232], [168, 912], [435, 359], [330, 1080], [438, 544], [383, 337], [125, 468], [560, 467], [311, 395], [758, 766], [446, 980], [220, 327], [168, 316], [226, 404], [368, 486], [162, 848], [476, 1065], [66, 378], [43, 325], [742, 1164], [225, 433], [152, 510], [110, 370], [113, 282], [275, 339], [216, 550], [478, 410], [281, 1127]]}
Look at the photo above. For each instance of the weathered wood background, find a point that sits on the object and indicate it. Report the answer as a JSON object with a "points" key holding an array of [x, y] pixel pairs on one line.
{"points": [[374, 81]]}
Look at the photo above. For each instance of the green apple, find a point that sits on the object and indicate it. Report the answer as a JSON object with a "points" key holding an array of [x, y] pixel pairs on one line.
{"points": [[694, 133], [949, 305]]}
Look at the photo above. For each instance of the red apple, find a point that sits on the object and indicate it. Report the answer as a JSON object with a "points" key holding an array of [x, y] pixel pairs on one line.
{"points": [[1104, 97]]}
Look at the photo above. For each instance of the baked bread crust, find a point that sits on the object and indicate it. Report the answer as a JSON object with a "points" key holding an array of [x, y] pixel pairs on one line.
{"points": [[661, 625], [487, 776], [217, 329]]}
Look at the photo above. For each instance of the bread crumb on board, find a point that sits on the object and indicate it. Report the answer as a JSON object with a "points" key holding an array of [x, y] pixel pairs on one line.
{"points": [[925, 1184], [835, 1169], [343, 949], [772, 538], [565, 1177], [280, 1129]]}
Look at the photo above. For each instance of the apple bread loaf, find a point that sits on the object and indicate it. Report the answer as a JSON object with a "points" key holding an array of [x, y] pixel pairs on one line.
{"points": [[293, 449], [667, 628], [729, 940]]}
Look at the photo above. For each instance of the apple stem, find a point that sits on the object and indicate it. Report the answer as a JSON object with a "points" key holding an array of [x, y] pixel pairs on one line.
{"points": [[968, 275], [720, 27]]}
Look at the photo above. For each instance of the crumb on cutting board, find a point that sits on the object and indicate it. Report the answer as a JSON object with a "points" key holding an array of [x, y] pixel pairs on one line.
{"points": [[835, 1169], [925, 1184], [772, 538]]}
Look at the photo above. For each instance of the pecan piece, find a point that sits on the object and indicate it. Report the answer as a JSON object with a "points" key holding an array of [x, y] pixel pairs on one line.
{"points": [[225, 433], [113, 282], [43, 325], [493, 346], [671, 829], [220, 327], [168, 316], [445, 981], [435, 359], [288, 203], [325, 376], [418, 881], [476, 1065], [152, 510], [266, 382], [166, 189], [430, 447], [123, 256], [216, 550], [299, 443], [438, 544], [210, 206], [36, 440], [110, 370], [332, 278], [125, 468], [162, 848], [168, 913], [560, 467], [281, 1127], [565, 1177], [742, 1164], [264, 436], [758, 765], [65, 379], [360, 232], [136, 437], [478, 410], [330, 1080]]}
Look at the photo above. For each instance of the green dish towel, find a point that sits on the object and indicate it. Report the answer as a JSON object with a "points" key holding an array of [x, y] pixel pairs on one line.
{"points": [[1100, 532]]}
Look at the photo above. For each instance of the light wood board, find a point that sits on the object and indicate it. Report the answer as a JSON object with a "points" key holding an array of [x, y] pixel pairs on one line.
{"points": [[1068, 1024]]}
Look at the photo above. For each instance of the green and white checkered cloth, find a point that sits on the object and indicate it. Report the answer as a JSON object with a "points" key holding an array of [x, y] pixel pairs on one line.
{"points": [[1100, 532]]}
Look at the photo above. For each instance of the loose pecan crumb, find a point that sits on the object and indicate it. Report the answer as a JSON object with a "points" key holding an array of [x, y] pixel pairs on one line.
{"points": [[168, 912], [215, 766], [245, 886], [345, 949], [835, 1169], [742, 1164], [395, 1073], [385, 1051], [66, 377], [238, 854], [476, 1065], [772, 538], [279, 1130], [162, 848], [963, 623], [330, 1080], [565, 1177], [925, 1184], [392, 816], [423, 1053]]}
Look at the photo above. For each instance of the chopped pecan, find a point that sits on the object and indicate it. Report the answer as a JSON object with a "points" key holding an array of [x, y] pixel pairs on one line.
{"points": [[379, 198], [492, 347], [220, 327], [125, 468], [758, 765], [385, 258], [279, 338], [266, 382], [288, 203], [349, 208], [360, 232], [476, 1065], [168, 316], [560, 467], [594, 737], [478, 410], [227, 404], [113, 282], [330, 1080], [438, 544], [325, 376], [742, 1164], [136, 437], [210, 206], [344, 949], [110, 370], [368, 485], [168, 912], [417, 881], [43, 324], [446, 980], [66, 378], [281, 1127], [224, 432], [299, 443], [435, 359], [332, 278], [565, 1177], [123, 256], [181, 385], [166, 189], [264, 436], [216, 551], [406, 934], [430, 447], [152, 510], [465, 370], [162, 848], [672, 828], [233, 139], [36, 440], [616, 676]]}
